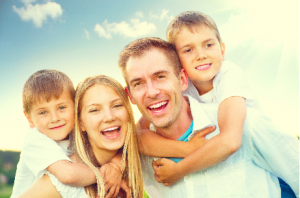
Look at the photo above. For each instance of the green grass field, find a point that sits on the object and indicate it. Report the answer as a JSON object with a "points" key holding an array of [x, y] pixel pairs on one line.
{"points": [[5, 191]]}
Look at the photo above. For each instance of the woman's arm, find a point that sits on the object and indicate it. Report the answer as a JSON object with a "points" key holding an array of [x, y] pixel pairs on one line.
{"points": [[231, 117], [42, 188]]}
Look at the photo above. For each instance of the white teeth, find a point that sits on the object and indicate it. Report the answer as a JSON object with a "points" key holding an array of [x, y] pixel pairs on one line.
{"points": [[110, 129], [158, 105], [206, 65]]}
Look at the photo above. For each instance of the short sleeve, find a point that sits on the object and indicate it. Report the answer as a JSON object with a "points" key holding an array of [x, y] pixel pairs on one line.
{"points": [[230, 81], [40, 152]]}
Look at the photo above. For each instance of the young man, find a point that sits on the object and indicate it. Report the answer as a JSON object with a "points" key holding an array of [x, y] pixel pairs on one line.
{"points": [[155, 81]]}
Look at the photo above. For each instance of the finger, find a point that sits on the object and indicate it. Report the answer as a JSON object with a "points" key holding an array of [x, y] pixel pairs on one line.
{"points": [[207, 130], [125, 187], [107, 187], [166, 184], [154, 166], [157, 178], [158, 162], [116, 191], [110, 192]]}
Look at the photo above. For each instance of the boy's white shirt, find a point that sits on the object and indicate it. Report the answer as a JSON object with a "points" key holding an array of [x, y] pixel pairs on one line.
{"points": [[38, 152], [229, 81]]}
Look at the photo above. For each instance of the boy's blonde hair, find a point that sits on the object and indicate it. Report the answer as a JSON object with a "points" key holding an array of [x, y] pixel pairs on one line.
{"points": [[44, 85], [131, 157], [190, 20], [138, 48]]}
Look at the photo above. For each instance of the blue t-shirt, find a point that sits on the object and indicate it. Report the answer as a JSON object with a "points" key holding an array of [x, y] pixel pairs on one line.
{"points": [[183, 138]]}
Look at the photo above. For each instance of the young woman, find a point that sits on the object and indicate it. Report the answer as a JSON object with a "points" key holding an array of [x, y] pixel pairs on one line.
{"points": [[104, 126]]}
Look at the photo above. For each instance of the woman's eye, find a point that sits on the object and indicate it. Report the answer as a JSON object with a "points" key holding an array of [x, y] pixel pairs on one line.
{"points": [[93, 110], [118, 105]]}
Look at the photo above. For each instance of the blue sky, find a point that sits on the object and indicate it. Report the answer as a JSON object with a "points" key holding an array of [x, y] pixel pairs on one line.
{"points": [[84, 38]]}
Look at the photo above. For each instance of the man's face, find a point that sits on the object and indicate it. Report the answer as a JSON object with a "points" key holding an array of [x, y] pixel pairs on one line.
{"points": [[155, 88]]}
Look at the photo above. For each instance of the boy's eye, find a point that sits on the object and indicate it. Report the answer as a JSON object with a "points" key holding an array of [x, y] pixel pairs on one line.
{"points": [[209, 45], [187, 50], [62, 107], [42, 112]]}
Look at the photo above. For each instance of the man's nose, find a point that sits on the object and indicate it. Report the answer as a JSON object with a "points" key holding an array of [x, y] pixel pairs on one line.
{"points": [[152, 90]]}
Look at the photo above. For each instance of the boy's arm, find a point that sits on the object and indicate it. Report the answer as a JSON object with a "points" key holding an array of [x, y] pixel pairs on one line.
{"points": [[231, 117], [150, 143], [73, 174], [42, 188]]}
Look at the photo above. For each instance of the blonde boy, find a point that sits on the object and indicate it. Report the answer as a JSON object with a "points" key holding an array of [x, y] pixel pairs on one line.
{"points": [[48, 102], [212, 80]]}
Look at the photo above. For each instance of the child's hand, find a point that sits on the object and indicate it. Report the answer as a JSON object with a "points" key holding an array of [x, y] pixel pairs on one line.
{"points": [[113, 178], [199, 139], [166, 171], [124, 191]]}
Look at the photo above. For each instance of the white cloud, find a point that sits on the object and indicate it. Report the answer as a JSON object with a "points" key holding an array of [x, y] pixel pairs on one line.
{"points": [[27, 1], [162, 16], [101, 31], [135, 28], [139, 14], [87, 34], [38, 13], [267, 28]]}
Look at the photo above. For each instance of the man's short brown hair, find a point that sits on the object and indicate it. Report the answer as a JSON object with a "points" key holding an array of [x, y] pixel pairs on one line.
{"points": [[44, 85], [190, 20], [138, 48]]}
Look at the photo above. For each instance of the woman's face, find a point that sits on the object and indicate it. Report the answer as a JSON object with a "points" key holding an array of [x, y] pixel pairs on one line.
{"points": [[104, 118]]}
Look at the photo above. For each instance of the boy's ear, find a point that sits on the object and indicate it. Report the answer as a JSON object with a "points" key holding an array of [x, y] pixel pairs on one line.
{"points": [[81, 126], [183, 80], [31, 125], [129, 95], [223, 51]]}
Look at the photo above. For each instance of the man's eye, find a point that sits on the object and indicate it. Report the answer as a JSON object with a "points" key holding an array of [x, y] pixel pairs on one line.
{"points": [[161, 76], [137, 84]]}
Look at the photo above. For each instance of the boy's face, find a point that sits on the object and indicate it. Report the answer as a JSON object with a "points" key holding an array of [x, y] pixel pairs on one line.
{"points": [[200, 53], [55, 118]]}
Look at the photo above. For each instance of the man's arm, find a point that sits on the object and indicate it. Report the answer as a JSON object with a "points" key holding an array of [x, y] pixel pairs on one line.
{"points": [[231, 117]]}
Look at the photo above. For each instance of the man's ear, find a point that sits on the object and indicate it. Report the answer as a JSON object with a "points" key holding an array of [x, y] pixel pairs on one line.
{"points": [[129, 95], [183, 80], [223, 51], [31, 125]]}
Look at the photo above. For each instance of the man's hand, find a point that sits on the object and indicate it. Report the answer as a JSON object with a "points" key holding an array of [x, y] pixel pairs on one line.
{"points": [[113, 179], [166, 171]]}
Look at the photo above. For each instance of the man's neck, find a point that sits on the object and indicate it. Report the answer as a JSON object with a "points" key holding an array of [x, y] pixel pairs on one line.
{"points": [[181, 124]]}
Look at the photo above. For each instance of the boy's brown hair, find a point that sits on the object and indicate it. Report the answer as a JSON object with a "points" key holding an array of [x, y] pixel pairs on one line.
{"points": [[190, 20], [43, 85], [138, 48]]}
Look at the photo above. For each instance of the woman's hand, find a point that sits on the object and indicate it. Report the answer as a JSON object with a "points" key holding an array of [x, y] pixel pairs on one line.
{"points": [[112, 175]]}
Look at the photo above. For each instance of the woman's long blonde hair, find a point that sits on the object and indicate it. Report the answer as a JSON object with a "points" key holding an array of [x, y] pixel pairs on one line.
{"points": [[131, 157]]}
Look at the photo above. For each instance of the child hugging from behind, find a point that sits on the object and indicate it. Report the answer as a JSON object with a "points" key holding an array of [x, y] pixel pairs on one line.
{"points": [[201, 51], [48, 103]]}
